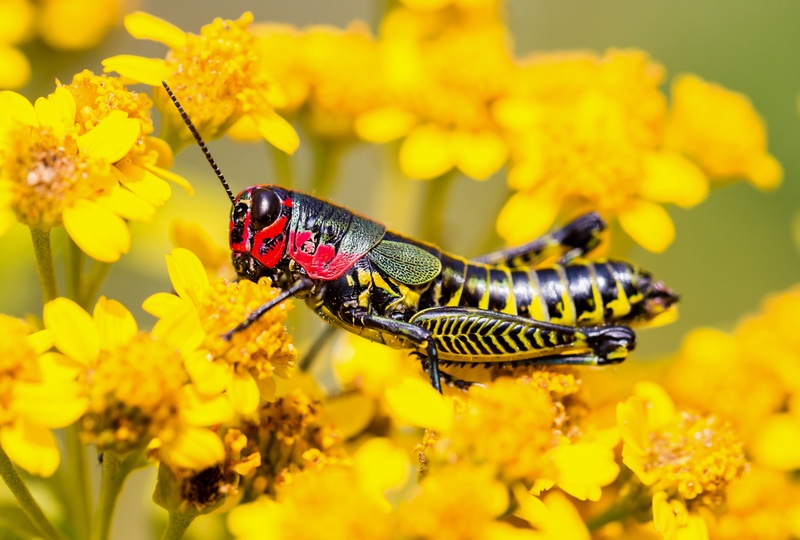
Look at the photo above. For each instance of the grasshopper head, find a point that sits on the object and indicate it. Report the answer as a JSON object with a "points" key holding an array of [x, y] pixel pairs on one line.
{"points": [[259, 230]]}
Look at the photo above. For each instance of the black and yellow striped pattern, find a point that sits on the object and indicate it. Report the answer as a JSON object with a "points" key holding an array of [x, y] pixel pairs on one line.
{"points": [[578, 293], [466, 334]]}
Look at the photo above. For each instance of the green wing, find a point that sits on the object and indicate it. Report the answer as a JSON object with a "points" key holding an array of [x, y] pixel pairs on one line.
{"points": [[405, 263]]}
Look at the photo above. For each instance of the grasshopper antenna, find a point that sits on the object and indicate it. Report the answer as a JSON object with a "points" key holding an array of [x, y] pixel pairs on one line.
{"points": [[199, 140]]}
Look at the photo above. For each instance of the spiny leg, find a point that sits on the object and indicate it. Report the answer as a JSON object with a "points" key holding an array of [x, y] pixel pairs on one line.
{"points": [[446, 378], [301, 285], [472, 335], [416, 335], [575, 239]]}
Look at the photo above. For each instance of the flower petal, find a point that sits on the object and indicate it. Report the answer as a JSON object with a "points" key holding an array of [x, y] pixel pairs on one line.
{"points": [[426, 153], [51, 404], [112, 137], [18, 108], [380, 465], [275, 129], [670, 177], [15, 69], [161, 304], [383, 125], [170, 176], [41, 341], [143, 183], [74, 331], [583, 468], [416, 403], [145, 26], [181, 328], [243, 393], [31, 447], [479, 154], [209, 377], [777, 443], [200, 410], [525, 216], [187, 274], [648, 224], [98, 231], [194, 449], [149, 71], [127, 205], [115, 324]]}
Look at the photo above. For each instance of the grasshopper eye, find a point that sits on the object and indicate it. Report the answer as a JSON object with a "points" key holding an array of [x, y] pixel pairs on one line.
{"points": [[265, 208]]}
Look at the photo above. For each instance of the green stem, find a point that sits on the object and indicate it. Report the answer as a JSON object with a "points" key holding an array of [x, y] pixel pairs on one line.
{"points": [[282, 164], [44, 264], [76, 481], [178, 523], [326, 164], [434, 205], [616, 512], [74, 270], [93, 283], [18, 488], [110, 484]]}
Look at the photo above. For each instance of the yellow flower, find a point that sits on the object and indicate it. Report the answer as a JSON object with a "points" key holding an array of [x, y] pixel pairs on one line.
{"points": [[686, 459], [291, 436], [721, 131], [459, 502], [586, 134], [138, 389], [431, 5], [35, 397], [218, 76], [712, 371], [62, 162], [761, 505], [207, 489], [216, 259], [76, 24], [444, 77], [515, 425], [337, 503], [202, 312], [17, 20]]}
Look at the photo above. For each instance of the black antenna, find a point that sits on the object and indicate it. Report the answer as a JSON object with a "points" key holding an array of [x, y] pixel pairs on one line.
{"points": [[199, 140]]}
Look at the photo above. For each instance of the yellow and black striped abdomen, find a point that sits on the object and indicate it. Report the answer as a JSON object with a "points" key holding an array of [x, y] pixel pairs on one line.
{"points": [[578, 293]]}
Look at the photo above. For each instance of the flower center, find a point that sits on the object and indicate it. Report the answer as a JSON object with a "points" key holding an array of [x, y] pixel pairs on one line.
{"points": [[134, 395]]}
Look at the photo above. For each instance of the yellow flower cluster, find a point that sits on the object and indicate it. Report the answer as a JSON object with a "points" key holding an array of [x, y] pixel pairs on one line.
{"points": [[82, 158], [525, 452], [68, 25], [577, 131]]}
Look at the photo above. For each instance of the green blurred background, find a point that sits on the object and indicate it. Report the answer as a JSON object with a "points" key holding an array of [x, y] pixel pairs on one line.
{"points": [[730, 251]]}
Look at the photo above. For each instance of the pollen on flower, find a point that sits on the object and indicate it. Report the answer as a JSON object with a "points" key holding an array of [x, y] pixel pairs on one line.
{"points": [[509, 423], [97, 95], [698, 455], [134, 395], [291, 437], [692, 457], [265, 348], [49, 174]]}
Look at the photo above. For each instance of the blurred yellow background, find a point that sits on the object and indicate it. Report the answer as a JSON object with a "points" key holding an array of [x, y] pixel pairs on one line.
{"points": [[730, 251]]}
